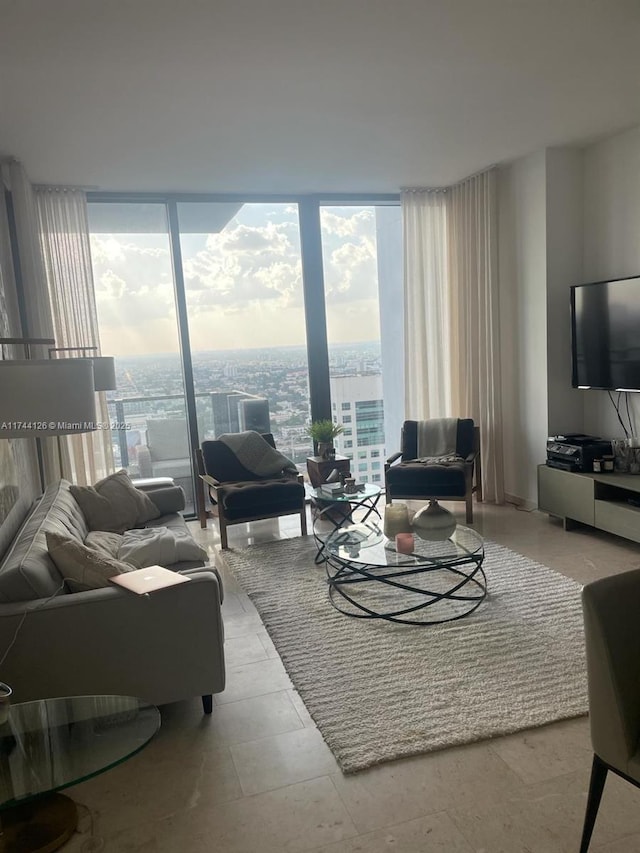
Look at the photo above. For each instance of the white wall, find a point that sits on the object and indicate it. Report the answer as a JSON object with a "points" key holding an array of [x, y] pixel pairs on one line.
{"points": [[611, 242], [564, 229], [523, 321], [566, 216]]}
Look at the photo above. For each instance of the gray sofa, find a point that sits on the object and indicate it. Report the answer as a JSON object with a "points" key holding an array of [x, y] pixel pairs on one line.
{"points": [[163, 647]]}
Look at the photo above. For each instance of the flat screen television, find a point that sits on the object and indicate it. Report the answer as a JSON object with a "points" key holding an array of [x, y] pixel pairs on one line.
{"points": [[605, 335]]}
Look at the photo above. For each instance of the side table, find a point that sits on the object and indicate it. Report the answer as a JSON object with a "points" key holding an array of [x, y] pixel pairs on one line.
{"points": [[49, 744], [319, 468], [338, 510]]}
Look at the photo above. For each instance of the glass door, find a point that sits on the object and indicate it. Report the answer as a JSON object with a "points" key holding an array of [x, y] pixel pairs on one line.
{"points": [[135, 301], [245, 306], [362, 261]]}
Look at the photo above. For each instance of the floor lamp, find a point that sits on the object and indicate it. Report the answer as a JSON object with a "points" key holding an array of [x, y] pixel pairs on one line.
{"points": [[104, 366], [40, 398]]}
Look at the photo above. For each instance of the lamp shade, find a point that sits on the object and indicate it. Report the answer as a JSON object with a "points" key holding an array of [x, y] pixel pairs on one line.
{"points": [[104, 373], [104, 367], [41, 398]]}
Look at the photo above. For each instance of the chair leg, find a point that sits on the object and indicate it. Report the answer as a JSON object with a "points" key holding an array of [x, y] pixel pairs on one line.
{"points": [[599, 772], [303, 521], [469, 504], [224, 542], [207, 703], [478, 472], [202, 508]]}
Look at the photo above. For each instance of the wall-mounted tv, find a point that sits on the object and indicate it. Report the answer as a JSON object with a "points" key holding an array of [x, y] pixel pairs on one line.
{"points": [[605, 335]]}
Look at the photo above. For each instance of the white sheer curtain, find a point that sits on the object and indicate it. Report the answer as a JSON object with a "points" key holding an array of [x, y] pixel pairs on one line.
{"points": [[452, 357], [472, 230], [34, 279], [37, 308], [64, 235], [427, 383]]}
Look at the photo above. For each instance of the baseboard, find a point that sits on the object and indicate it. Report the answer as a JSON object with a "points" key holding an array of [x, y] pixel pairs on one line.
{"points": [[520, 503]]}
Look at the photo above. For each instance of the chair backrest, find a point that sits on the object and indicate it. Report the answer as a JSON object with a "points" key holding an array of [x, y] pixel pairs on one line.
{"points": [[612, 634], [465, 438], [167, 439], [220, 461]]}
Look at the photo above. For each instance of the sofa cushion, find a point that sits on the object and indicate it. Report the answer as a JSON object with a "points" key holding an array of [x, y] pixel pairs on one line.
{"points": [[417, 479], [241, 500], [81, 567], [27, 571], [114, 504]]}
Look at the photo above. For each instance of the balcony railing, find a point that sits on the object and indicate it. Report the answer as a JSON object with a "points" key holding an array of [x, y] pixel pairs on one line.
{"points": [[132, 444]]}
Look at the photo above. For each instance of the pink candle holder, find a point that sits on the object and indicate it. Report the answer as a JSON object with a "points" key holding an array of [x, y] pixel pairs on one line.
{"points": [[404, 543]]}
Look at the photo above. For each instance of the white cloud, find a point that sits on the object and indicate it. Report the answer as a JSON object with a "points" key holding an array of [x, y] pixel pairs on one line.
{"points": [[244, 285]]}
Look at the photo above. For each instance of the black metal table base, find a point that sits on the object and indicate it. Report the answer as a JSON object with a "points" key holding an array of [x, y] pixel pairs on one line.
{"points": [[340, 513], [347, 579]]}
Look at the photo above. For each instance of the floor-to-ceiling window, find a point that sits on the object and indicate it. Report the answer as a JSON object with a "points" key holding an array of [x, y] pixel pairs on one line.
{"points": [[245, 308], [135, 301], [226, 277], [362, 251]]}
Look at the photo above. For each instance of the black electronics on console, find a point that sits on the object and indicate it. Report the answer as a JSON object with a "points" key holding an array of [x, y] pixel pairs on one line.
{"points": [[576, 451]]}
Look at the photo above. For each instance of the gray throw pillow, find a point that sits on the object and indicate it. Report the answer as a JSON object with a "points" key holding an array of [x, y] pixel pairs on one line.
{"points": [[114, 504], [82, 568]]}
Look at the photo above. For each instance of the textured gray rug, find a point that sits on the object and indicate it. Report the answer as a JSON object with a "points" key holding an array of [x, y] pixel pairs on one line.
{"points": [[379, 691]]}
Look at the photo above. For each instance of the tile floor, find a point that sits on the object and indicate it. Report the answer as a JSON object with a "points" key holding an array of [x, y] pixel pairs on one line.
{"points": [[256, 776]]}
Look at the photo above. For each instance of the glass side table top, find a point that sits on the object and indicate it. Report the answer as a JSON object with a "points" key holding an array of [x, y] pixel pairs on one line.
{"points": [[50, 744], [369, 491], [366, 544]]}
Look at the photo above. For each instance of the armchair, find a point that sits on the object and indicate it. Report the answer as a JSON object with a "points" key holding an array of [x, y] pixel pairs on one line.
{"points": [[166, 453], [450, 477], [242, 495], [612, 636]]}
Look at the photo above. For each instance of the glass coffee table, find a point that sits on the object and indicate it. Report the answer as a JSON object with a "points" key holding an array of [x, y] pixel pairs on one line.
{"points": [[338, 511], [51, 744], [441, 581]]}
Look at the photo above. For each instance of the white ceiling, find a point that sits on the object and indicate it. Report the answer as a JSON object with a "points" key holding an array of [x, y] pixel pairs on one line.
{"points": [[306, 95]]}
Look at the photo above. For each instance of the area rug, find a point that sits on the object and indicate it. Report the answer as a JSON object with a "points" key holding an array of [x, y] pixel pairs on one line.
{"points": [[380, 691]]}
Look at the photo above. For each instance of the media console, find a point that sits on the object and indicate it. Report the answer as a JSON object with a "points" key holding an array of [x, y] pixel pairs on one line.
{"points": [[608, 502]]}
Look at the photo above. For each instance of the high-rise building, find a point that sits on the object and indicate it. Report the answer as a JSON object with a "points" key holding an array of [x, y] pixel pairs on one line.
{"points": [[357, 404], [236, 411]]}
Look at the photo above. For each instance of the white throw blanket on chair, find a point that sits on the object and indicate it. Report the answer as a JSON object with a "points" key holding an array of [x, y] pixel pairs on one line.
{"points": [[437, 437]]}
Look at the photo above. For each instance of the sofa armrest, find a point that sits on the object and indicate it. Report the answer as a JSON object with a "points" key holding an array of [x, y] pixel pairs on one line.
{"points": [[168, 499], [161, 647]]}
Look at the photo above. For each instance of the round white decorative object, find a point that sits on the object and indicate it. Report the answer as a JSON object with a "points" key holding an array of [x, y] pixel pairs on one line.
{"points": [[434, 522]]}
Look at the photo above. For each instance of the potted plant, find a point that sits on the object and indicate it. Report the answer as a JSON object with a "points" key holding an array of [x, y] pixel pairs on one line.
{"points": [[323, 432]]}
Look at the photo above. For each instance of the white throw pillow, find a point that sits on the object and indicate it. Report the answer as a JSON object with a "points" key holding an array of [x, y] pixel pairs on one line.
{"points": [[81, 567]]}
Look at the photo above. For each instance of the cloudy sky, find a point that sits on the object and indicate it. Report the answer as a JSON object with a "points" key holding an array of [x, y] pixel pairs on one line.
{"points": [[244, 285]]}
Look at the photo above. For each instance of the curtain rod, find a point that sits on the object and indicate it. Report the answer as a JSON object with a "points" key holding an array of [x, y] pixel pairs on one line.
{"points": [[54, 188], [450, 186]]}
